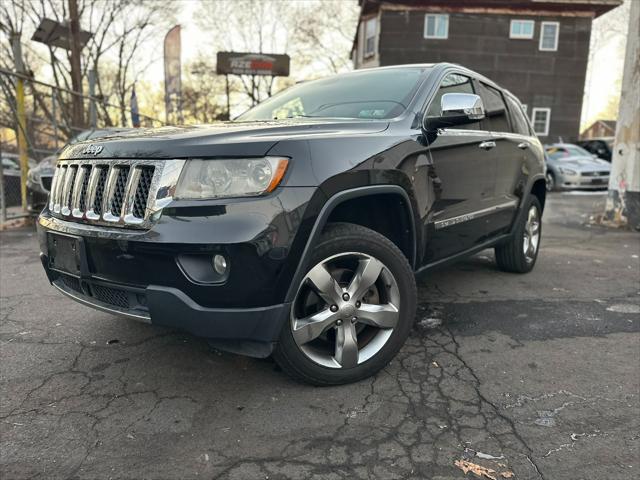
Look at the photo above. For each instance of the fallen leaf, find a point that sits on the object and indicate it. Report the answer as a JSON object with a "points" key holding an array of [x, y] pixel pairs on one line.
{"points": [[479, 470], [507, 474]]}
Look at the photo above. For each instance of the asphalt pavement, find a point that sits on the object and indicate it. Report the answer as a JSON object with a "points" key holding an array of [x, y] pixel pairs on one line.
{"points": [[531, 376]]}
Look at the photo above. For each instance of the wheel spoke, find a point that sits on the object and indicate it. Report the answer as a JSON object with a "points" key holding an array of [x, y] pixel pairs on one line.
{"points": [[309, 328], [346, 345], [381, 316], [324, 284], [531, 250], [368, 271], [534, 228]]}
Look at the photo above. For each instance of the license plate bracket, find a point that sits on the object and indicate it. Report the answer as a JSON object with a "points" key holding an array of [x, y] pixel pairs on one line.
{"points": [[67, 254]]}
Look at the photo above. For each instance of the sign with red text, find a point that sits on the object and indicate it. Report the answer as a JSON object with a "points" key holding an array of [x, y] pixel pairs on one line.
{"points": [[242, 63]]}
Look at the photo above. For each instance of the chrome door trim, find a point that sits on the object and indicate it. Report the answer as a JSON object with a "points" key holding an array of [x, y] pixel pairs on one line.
{"points": [[448, 222]]}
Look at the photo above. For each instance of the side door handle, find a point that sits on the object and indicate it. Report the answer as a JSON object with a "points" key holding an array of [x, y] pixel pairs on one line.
{"points": [[523, 145], [487, 145]]}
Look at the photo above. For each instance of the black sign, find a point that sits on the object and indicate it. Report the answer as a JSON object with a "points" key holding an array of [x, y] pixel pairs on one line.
{"points": [[242, 63]]}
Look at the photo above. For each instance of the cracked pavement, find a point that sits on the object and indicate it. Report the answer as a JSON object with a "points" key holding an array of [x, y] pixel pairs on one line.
{"points": [[532, 376]]}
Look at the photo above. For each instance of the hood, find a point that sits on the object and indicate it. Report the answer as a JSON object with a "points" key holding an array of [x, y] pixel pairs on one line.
{"points": [[583, 164], [215, 140]]}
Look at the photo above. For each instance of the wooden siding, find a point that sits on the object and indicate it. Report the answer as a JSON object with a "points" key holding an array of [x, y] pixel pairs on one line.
{"points": [[481, 42]]}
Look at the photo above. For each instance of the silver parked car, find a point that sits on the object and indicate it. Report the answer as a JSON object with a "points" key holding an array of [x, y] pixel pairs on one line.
{"points": [[572, 167]]}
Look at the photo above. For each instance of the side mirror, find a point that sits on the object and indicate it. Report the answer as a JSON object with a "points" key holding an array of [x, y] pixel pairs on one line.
{"points": [[456, 109]]}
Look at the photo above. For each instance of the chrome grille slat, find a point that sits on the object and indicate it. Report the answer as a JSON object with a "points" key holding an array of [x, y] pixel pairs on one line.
{"points": [[129, 199], [79, 190], [96, 172], [72, 172], [60, 189], [52, 193], [82, 195], [112, 179], [113, 192]]}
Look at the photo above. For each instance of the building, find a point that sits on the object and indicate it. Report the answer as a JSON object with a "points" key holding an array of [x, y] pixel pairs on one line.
{"points": [[599, 129], [538, 49]]}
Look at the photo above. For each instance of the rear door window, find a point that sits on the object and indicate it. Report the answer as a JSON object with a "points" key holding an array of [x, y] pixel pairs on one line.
{"points": [[495, 109], [518, 120]]}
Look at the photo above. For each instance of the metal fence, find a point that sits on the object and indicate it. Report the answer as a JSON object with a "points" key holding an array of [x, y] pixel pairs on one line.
{"points": [[36, 121]]}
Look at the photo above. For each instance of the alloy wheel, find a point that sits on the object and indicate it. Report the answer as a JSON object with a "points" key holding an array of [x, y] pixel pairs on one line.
{"points": [[551, 182], [345, 310], [531, 234]]}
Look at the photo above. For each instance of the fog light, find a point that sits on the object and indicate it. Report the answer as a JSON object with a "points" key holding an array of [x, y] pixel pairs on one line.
{"points": [[220, 264]]}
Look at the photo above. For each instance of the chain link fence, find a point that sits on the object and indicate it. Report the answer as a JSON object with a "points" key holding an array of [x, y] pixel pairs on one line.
{"points": [[48, 123]]}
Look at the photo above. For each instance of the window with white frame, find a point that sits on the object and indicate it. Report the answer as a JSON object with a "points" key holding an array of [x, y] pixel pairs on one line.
{"points": [[370, 31], [549, 36], [436, 26], [540, 118], [522, 29]]}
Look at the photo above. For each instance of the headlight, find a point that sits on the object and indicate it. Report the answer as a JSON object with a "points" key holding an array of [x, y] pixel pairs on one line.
{"points": [[567, 171], [32, 176], [238, 177]]}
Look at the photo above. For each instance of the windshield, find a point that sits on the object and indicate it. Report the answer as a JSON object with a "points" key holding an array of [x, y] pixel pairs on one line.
{"points": [[373, 94], [567, 151]]}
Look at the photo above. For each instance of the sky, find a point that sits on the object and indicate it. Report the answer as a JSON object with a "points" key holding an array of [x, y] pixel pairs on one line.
{"points": [[605, 68], [603, 73]]}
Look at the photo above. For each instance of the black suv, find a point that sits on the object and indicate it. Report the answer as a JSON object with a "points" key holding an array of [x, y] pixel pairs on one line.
{"points": [[296, 230]]}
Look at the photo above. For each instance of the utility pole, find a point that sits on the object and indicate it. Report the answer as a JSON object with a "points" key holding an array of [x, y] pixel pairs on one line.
{"points": [[21, 127], [76, 72], [93, 117], [623, 201]]}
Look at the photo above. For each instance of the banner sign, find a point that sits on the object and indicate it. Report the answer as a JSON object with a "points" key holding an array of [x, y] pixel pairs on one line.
{"points": [[172, 69], [243, 63], [135, 114]]}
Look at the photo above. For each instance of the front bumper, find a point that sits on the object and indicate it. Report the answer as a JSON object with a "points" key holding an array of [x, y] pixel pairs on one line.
{"points": [[593, 182], [249, 331], [141, 274]]}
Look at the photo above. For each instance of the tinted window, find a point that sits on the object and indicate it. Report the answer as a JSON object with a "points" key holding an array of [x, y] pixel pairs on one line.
{"points": [[518, 119], [452, 83], [366, 94], [495, 109]]}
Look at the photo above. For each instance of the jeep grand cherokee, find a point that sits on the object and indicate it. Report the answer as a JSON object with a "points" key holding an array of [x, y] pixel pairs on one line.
{"points": [[296, 230]]}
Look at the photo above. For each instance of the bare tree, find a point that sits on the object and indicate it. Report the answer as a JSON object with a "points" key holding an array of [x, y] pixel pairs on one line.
{"points": [[316, 34], [610, 27], [123, 32], [203, 92]]}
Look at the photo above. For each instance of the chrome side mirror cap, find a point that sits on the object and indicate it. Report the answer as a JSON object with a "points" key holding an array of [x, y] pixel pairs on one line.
{"points": [[456, 109]]}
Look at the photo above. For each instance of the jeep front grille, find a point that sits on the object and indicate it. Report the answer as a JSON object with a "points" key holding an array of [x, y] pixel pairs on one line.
{"points": [[121, 193]]}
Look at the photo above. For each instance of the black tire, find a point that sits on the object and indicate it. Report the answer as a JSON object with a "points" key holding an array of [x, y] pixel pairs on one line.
{"points": [[511, 256], [341, 238], [550, 181]]}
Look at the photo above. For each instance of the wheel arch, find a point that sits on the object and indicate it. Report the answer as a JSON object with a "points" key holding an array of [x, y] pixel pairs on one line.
{"points": [[539, 190], [351, 198]]}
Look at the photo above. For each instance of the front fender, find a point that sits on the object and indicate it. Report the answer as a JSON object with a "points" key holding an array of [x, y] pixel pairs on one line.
{"points": [[333, 192]]}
